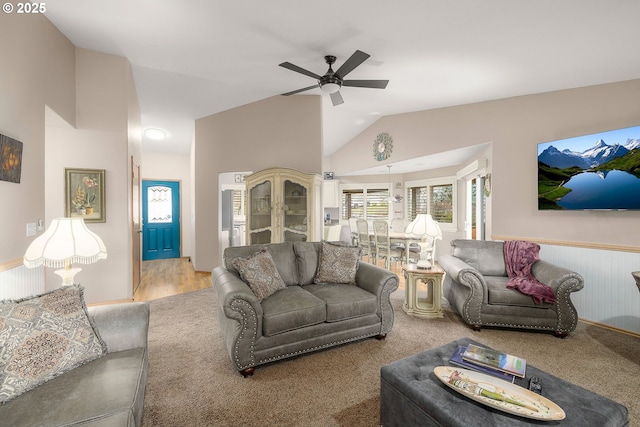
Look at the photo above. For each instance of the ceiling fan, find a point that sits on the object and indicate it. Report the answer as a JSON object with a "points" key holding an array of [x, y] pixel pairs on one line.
{"points": [[332, 81]]}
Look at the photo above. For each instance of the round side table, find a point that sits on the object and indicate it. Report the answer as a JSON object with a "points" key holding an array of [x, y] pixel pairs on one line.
{"points": [[423, 291]]}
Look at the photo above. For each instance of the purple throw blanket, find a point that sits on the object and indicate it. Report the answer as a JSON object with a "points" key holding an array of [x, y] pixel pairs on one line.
{"points": [[519, 257]]}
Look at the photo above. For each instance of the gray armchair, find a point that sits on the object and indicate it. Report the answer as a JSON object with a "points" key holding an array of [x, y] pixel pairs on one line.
{"points": [[475, 285]]}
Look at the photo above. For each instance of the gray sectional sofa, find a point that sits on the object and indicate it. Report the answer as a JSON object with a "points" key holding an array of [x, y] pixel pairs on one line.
{"points": [[108, 391], [303, 317]]}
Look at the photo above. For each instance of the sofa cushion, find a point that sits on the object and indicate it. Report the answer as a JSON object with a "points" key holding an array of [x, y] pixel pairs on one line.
{"points": [[260, 273], [108, 391], [42, 337], [282, 254], [289, 309], [484, 255], [499, 294], [344, 301], [338, 264], [307, 258]]}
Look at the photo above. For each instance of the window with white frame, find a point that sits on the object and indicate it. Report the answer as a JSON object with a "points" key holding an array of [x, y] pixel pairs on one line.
{"points": [[367, 203], [435, 197]]}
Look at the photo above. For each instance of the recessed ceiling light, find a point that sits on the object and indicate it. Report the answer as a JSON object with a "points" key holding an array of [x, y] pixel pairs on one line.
{"points": [[157, 134]]}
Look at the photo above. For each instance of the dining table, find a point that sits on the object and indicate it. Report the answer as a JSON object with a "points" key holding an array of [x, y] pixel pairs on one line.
{"points": [[400, 237]]}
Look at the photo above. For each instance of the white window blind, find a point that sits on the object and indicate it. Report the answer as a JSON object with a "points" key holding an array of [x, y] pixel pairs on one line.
{"points": [[352, 204], [365, 203], [436, 200], [238, 202], [377, 206], [441, 203]]}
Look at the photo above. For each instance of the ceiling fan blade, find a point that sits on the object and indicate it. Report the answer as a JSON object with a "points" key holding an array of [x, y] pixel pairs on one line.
{"points": [[350, 64], [290, 66], [336, 98], [300, 90], [373, 84]]}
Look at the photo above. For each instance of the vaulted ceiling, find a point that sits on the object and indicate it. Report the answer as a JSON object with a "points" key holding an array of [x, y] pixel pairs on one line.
{"points": [[194, 58]]}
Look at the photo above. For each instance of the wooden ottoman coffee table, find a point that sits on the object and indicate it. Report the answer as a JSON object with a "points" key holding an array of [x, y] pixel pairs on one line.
{"points": [[412, 395]]}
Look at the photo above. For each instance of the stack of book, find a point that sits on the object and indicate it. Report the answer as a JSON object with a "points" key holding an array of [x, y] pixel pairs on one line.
{"points": [[492, 362]]}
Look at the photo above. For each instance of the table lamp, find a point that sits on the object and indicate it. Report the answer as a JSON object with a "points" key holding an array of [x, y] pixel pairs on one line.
{"points": [[424, 225], [67, 240]]}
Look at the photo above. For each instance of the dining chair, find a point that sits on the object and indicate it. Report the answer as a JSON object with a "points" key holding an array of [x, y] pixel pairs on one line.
{"points": [[397, 226], [353, 230], [367, 247], [383, 244]]}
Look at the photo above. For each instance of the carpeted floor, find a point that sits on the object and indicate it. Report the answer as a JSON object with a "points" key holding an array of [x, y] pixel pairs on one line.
{"points": [[192, 382]]}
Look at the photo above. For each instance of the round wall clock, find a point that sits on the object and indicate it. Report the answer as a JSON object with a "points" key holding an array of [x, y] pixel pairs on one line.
{"points": [[382, 146]]}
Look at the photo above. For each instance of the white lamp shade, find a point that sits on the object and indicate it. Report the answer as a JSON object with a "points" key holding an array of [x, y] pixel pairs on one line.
{"points": [[67, 240], [423, 225]]}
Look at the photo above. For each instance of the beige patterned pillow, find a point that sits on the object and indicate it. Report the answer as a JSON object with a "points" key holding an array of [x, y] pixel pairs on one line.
{"points": [[260, 273], [42, 337], [338, 264]]}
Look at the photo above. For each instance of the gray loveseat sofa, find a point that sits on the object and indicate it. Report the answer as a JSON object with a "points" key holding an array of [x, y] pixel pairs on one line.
{"points": [[108, 391], [475, 285], [303, 317]]}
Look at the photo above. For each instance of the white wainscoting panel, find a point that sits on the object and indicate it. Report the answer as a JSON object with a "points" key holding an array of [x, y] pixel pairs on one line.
{"points": [[20, 282], [610, 295]]}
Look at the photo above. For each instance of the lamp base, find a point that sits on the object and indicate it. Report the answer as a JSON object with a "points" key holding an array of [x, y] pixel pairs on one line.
{"points": [[67, 275], [424, 263]]}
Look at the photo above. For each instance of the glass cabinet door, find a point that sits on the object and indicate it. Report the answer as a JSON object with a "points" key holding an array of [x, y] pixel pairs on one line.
{"points": [[260, 203], [295, 211]]}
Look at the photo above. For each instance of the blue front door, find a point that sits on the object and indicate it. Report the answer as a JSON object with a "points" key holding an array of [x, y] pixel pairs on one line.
{"points": [[160, 219]]}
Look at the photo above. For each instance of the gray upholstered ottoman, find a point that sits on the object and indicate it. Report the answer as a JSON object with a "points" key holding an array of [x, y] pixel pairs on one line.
{"points": [[411, 395]]}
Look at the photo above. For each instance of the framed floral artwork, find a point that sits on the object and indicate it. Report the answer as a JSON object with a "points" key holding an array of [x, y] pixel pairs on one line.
{"points": [[85, 194]]}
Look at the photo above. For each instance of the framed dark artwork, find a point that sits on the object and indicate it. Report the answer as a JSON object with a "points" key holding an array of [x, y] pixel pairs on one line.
{"points": [[85, 194], [10, 159]]}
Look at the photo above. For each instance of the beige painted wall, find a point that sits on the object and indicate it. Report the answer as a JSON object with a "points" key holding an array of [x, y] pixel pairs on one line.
{"points": [[515, 126], [74, 108], [174, 167], [38, 69], [105, 137], [275, 132]]}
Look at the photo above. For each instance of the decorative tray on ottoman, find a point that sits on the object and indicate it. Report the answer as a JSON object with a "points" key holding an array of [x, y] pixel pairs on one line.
{"points": [[499, 394]]}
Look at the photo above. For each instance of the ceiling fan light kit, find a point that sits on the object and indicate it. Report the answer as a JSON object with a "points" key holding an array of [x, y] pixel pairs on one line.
{"points": [[332, 81]]}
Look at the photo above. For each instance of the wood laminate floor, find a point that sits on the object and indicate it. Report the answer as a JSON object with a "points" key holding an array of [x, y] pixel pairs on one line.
{"points": [[166, 277]]}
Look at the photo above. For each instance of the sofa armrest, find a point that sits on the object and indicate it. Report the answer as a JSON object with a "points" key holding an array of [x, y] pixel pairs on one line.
{"points": [[463, 273], [122, 326], [381, 283], [229, 288], [239, 315], [374, 279], [563, 282], [560, 279], [472, 284]]}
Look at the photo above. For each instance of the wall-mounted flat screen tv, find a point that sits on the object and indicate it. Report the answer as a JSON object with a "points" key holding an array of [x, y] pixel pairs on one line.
{"points": [[591, 172]]}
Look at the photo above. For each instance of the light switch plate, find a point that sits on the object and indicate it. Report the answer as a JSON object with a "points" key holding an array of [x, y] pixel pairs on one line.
{"points": [[31, 229]]}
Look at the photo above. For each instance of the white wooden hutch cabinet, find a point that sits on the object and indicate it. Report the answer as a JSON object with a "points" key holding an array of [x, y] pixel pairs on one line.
{"points": [[284, 205]]}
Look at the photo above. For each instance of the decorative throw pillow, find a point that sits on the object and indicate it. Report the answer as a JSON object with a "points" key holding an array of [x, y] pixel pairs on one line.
{"points": [[42, 337], [338, 264], [260, 273]]}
